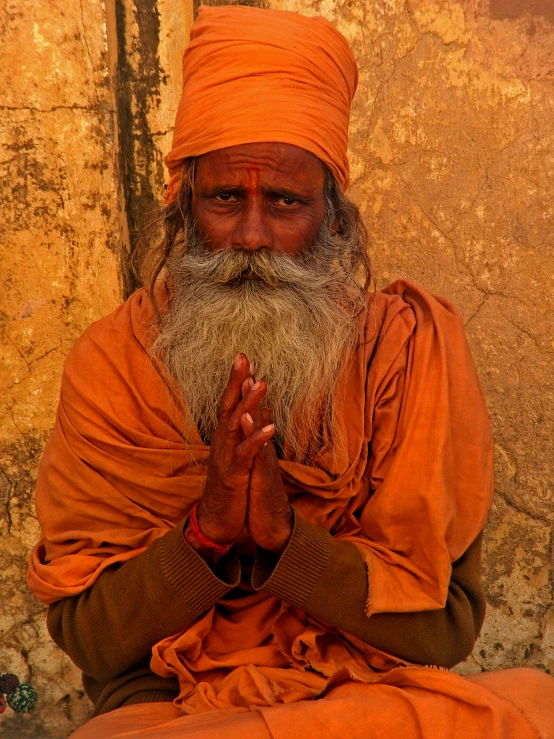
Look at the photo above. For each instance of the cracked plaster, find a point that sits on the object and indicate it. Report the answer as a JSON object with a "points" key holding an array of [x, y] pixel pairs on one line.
{"points": [[60, 270], [452, 155]]}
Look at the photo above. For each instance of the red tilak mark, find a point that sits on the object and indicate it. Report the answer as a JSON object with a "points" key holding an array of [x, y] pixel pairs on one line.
{"points": [[253, 180]]}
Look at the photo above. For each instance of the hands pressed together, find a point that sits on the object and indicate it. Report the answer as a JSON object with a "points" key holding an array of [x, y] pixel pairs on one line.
{"points": [[244, 493]]}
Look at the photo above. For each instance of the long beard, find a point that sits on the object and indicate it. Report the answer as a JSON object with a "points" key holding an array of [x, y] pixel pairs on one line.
{"points": [[297, 324]]}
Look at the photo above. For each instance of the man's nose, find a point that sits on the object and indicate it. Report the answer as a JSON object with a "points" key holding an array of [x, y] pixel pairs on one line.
{"points": [[253, 231]]}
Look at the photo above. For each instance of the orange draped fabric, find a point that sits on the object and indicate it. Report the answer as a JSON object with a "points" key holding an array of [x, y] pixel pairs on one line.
{"points": [[252, 75], [410, 487], [117, 472], [411, 703]]}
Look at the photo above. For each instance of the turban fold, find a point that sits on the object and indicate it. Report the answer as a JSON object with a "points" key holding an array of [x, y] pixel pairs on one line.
{"points": [[252, 75]]}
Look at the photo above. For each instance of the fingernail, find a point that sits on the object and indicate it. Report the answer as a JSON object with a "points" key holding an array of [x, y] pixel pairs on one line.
{"points": [[238, 361], [250, 382], [257, 385], [268, 428], [249, 418], [252, 368]]}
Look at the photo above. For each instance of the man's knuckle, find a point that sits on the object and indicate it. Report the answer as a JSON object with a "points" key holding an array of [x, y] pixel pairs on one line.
{"points": [[227, 480], [224, 410], [240, 454], [231, 425]]}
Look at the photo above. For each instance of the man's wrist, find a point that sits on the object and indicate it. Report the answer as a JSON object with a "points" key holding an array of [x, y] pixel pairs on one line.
{"points": [[202, 538], [281, 540], [210, 556]]}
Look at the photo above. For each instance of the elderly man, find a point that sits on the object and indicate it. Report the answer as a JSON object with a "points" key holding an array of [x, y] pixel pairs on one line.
{"points": [[263, 499]]}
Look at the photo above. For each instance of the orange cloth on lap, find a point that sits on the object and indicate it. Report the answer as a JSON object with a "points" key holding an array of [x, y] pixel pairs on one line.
{"points": [[411, 703]]}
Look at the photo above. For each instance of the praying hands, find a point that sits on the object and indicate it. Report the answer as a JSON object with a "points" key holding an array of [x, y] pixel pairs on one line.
{"points": [[243, 488]]}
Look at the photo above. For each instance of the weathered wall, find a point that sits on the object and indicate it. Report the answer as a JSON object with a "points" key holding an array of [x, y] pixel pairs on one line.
{"points": [[452, 154], [87, 91], [60, 271]]}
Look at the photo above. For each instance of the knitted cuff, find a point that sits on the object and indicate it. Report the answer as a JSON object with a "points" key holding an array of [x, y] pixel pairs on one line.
{"points": [[293, 576], [189, 574]]}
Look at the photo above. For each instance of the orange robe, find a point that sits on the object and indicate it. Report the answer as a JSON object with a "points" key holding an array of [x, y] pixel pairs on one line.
{"points": [[411, 487]]}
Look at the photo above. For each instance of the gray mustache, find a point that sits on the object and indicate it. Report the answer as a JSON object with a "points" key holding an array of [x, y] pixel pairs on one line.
{"points": [[272, 268]]}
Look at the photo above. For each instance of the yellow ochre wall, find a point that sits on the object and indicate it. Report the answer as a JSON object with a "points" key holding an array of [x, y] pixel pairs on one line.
{"points": [[452, 154]]}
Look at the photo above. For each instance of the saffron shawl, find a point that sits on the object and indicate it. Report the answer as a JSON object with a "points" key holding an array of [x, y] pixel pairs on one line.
{"points": [[410, 485]]}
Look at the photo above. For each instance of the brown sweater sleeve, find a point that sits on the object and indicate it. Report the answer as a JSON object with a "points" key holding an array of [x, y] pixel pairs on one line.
{"points": [[113, 625], [327, 578]]}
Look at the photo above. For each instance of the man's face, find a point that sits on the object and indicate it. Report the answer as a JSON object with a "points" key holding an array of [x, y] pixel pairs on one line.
{"points": [[254, 196], [263, 272]]}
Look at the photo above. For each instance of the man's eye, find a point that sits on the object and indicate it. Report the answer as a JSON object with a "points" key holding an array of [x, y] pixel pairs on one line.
{"points": [[286, 200], [225, 197]]}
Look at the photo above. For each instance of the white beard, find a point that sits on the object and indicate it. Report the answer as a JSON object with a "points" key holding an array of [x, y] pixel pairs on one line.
{"points": [[297, 324]]}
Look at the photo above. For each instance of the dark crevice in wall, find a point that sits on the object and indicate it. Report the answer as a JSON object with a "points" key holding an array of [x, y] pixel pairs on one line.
{"points": [[125, 126], [137, 87]]}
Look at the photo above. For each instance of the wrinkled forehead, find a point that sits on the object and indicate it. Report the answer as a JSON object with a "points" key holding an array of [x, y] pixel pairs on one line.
{"points": [[268, 164]]}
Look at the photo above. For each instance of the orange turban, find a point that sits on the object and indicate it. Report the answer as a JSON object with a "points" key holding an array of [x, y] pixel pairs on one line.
{"points": [[252, 75]]}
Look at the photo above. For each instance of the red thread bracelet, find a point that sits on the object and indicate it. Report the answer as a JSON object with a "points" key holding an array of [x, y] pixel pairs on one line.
{"points": [[218, 548]]}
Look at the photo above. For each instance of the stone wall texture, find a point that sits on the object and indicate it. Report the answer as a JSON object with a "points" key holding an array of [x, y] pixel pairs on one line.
{"points": [[452, 153]]}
